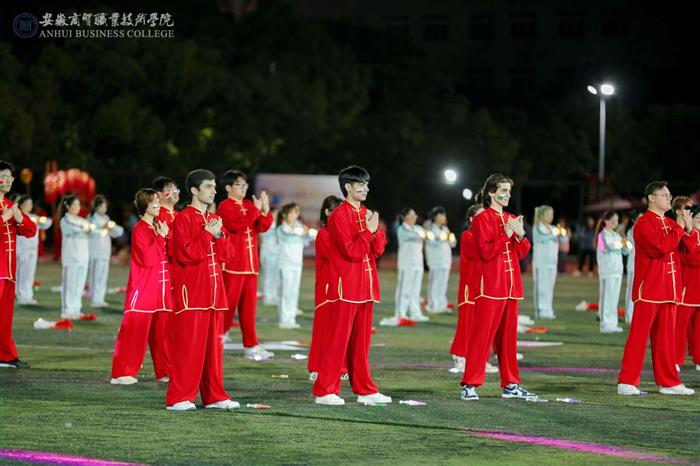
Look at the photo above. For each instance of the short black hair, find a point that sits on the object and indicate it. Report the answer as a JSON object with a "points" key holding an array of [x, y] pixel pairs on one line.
{"points": [[195, 178], [230, 176], [352, 174], [404, 211], [654, 186], [162, 182], [4, 165], [435, 211]]}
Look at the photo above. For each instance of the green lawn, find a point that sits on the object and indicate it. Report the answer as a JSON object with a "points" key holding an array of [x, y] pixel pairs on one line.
{"points": [[65, 403]]}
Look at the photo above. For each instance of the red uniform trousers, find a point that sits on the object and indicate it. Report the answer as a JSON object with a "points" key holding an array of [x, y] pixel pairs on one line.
{"points": [[465, 316], [8, 351], [138, 330], [687, 333], [494, 324], [197, 353], [659, 321], [318, 332], [242, 294], [348, 335]]}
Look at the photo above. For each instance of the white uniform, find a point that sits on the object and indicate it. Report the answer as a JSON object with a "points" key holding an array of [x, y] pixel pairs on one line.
{"points": [[545, 255], [410, 270], [438, 255], [609, 250], [291, 241], [75, 257], [27, 256], [100, 254], [269, 258], [629, 303]]}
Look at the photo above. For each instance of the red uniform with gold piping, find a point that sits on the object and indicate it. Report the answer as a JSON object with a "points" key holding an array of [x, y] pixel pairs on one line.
{"points": [[8, 268], [199, 299], [243, 221], [349, 290], [688, 313], [499, 287]]}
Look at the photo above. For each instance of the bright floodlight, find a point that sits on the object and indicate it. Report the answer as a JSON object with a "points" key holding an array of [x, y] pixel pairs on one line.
{"points": [[467, 193], [607, 89], [592, 90], [450, 175]]}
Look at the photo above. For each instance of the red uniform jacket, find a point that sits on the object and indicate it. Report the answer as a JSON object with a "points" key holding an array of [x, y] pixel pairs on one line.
{"points": [[323, 243], [499, 256], [168, 217], [469, 270], [352, 272], [243, 222], [657, 268], [149, 288], [9, 231], [196, 268], [690, 270]]}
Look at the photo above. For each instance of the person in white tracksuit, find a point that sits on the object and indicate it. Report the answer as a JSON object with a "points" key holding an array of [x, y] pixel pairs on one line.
{"points": [[438, 255], [545, 255], [101, 236], [609, 249], [269, 258], [411, 238], [28, 253], [75, 256], [629, 302], [292, 236]]}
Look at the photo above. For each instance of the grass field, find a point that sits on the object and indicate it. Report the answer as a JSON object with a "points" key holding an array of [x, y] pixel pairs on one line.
{"points": [[65, 403]]}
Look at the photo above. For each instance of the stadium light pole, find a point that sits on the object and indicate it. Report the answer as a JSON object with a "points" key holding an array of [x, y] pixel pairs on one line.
{"points": [[604, 91]]}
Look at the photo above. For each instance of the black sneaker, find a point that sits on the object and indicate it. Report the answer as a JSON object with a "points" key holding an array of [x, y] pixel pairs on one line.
{"points": [[16, 363], [517, 391], [469, 393]]}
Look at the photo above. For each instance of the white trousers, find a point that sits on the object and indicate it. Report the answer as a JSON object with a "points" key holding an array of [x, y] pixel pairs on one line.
{"points": [[544, 279], [408, 288], [629, 303], [609, 298], [437, 288], [270, 282], [98, 274], [26, 270], [290, 280], [72, 286]]}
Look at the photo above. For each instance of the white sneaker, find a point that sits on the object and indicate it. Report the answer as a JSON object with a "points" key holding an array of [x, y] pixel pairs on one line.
{"points": [[226, 338], [258, 353], [344, 376], [224, 404], [99, 305], [627, 390], [287, 326], [420, 318], [583, 305], [460, 363], [677, 390], [519, 356], [375, 398], [611, 330], [298, 312], [330, 400], [71, 316], [491, 369], [27, 302], [124, 380], [313, 376], [389, 322], [165, 379], [526, 320], [697, 367], [182, 406], [437, 311]]}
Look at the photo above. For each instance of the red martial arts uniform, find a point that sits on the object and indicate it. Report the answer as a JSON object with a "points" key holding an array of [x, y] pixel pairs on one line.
{"points": [[350, 290], [243, 221], [656, 289], [469, 276], [148, 295], [688, 314], [499, 288], [8, 268], [199, 299]]}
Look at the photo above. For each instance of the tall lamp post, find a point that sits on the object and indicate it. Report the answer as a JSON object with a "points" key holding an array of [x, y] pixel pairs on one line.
{"points": [[604, 91]]}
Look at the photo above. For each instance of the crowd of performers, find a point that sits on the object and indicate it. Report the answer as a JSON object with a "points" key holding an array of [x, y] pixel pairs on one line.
{"points": [[193, 271]]}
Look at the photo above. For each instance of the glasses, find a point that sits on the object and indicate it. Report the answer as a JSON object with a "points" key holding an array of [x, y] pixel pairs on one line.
{"points": [[174, 191], [667, 196], [7, 177]]}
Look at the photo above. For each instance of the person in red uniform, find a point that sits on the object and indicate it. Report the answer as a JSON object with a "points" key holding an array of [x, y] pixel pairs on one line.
{"points": [[148, 295], [499, 239], [13, 222], [350, 291], [199, 301], [469, 274], [656, 289], [243, 220], [169, 195], [320, 323], [688, 317]]}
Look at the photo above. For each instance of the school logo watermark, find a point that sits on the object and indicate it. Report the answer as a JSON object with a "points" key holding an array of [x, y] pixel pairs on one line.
{"points": [[25, 25], [101, 25]]}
